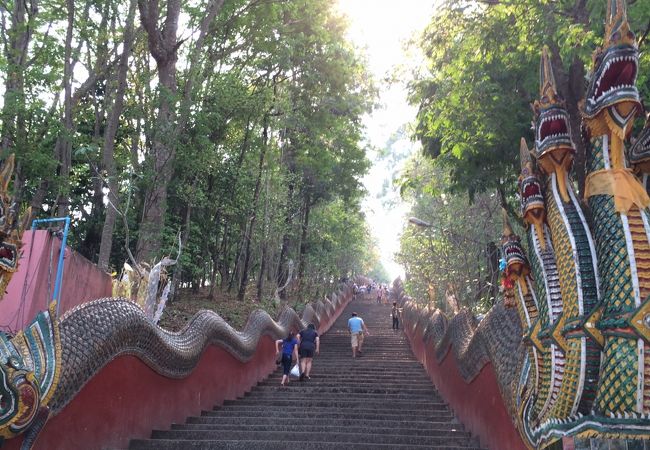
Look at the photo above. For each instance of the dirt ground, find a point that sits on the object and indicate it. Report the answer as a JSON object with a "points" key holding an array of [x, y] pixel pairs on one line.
{"points": [[177, 313]]}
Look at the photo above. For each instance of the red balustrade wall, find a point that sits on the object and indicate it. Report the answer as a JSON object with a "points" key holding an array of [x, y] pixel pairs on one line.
{"points": [[30, 289], [478, 404], [127, 399]]}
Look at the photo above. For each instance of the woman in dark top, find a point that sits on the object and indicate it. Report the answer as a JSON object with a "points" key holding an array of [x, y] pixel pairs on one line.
{"points": [[289, 350], [309, 344]]}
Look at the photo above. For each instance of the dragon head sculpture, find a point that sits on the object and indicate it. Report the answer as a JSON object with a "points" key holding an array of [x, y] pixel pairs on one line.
{"points": [[20, 397], [30, 368], [612, 87], [11, 227], [532, 197], [554, 147], [517, 266]]}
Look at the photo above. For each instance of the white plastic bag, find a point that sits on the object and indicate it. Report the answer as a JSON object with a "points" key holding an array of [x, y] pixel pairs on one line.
{"points": [[295, 371]]}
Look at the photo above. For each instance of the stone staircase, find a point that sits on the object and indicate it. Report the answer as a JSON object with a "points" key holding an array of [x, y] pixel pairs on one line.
{"points": [[380, 400]]}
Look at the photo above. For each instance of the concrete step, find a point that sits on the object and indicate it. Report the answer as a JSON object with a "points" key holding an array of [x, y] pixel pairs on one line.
{"points": [[320, 380], [312, 388], [298, 390], [330, 421], [354, 377], [308, 398], [167, 444], [351, 414], [327, 427], [289, 437], [380, 400], [374, 405]]}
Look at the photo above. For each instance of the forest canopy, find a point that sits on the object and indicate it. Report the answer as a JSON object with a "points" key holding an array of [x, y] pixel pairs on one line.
{"points": [[474, 96], [233, 124], [482, 73]]}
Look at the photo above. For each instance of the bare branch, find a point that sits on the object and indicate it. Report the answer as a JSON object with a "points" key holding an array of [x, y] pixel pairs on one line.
{"points": [[645, 35]]}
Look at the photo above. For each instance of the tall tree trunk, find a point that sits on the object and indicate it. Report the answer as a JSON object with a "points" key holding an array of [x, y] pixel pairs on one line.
{"points": [[289, 159], [163, 47], [108, 150], [265, 245], [224, 263], [235, 269], [13, 110], [253, 217], [215, 254], [91, 242], [178, 269], [94, 77], [282, 274], [64, 150], [303, 240], [571, 84]]}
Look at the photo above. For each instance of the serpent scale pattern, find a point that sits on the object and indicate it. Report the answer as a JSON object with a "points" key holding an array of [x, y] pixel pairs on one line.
{"points": [[603, 272], [565, 400], [93, 334], [620, 359], [590, 298], [551, 366], [496, 339], [98, 332]]}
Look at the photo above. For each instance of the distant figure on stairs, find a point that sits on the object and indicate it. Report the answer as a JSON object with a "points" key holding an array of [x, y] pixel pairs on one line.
{"points": [[357, 328], [395, 314], [289, 351], [309, 344]]}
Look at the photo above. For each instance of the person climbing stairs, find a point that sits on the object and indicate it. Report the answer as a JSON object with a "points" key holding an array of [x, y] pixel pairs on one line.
{"points": [[380, 400]]}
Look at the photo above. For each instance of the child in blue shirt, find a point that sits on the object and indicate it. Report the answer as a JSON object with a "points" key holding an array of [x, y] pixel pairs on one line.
{"points": [[289, 350]]}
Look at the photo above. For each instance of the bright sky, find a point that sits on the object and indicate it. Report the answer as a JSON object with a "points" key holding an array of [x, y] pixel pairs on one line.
{"points": [[382, 27]]}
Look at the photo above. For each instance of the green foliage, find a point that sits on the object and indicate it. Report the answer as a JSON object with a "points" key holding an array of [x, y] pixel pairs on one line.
{"points": [[481, 76], [379, 274], [453, 255], [273, 99], [341, 244], [473, 98]]}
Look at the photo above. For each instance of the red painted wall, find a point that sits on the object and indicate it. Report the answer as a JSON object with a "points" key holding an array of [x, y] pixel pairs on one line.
{"points": [[127, 399], [478, 405], [30, 289]]}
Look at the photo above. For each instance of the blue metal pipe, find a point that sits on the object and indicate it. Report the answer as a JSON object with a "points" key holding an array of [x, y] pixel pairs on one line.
{"points": [[54, 219], [56, 293]]}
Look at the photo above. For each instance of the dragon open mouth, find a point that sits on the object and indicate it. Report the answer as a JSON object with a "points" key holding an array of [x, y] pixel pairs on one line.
{"points": [[514, 253], [618, 73], [531, 193], [8, 256], [556, 125], [553, 130], [614, 80]]}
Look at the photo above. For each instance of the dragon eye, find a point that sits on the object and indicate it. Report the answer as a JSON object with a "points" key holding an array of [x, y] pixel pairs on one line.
{"points": [[616, 37], [545, 99]]}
